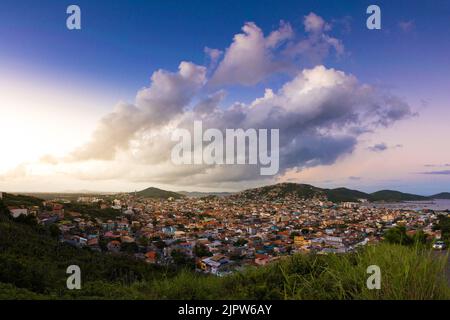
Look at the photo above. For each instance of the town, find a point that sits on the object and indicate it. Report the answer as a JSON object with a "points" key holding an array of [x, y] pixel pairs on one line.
{"points": [[222, 234]]}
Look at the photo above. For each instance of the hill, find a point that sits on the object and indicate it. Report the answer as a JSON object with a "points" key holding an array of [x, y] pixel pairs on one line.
{"points": [[282, 190], [344, 194], [442, 195], [33, 265], [13, 200], [394, 196], [305, 191], [156, 193]]}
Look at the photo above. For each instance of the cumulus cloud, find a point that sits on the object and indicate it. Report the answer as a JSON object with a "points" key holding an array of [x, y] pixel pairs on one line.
{"points": [[315, 24], [320, 113], [166, 97], [318, 44], [251, 58]]}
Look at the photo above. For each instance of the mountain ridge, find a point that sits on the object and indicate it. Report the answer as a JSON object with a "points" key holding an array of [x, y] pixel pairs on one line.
{"points": [[340, 194]]}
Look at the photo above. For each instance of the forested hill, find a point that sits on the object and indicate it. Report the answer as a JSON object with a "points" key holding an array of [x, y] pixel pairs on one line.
{"points": [[306, 191], [33, 264]]}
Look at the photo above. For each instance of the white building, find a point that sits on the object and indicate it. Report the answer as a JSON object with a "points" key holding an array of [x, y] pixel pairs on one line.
{"points": [[350, 205], [16, 212]]}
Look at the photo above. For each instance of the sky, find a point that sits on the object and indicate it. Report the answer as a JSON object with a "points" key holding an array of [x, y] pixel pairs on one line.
{"points": [[94, 109]]}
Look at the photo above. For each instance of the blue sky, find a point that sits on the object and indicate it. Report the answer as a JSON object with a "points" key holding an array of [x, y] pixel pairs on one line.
{"points": [[122, 43]]}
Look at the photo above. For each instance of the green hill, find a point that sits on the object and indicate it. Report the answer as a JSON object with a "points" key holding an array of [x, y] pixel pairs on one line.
{"points": [[442, 195], [281, 190], [156, 193], [344, 194], [394, 196], [16, 200], [336, 195], [33, 264]]}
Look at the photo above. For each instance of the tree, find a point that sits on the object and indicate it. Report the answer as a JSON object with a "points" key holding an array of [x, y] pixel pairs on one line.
{"points": [[160, 244], [200, 250], [444, 226], [129, 247], [143, 241], [294, 234], [419, 237], [26, 219], [397, 235], [240, 242], [180, 258], [54, 231]]}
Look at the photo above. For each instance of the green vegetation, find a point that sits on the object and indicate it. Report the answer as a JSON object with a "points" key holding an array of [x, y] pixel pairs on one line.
{"points": [[398, 235], [344, 194], [33, 265], [93, 211], [14, 200], [158, 194], [334, 195], [444, 226], [442, 195], [407, 273], [33, 261], [282, 190], [394, 196]]}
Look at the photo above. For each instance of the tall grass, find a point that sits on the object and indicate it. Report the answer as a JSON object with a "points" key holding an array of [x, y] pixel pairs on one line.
{"points": [[406, 273]]}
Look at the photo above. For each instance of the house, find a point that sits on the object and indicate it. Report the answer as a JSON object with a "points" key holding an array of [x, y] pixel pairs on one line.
{"points": [[217, 264], [169, 230], [114, 246], [92, 242], [49, 220], [16, 212], [262, 259], [150, 257], [75, 241], [127, 239], [300, 241]]}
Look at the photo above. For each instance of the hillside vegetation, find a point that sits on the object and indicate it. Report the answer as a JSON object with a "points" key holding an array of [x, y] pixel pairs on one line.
{"points": [[33, 265], [158, 194], [335, 195], [14, 200]]}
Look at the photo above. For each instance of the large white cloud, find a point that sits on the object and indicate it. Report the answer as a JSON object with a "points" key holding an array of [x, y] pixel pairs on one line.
{"points": [[320, 112], [167, 96], [251, 56]]}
